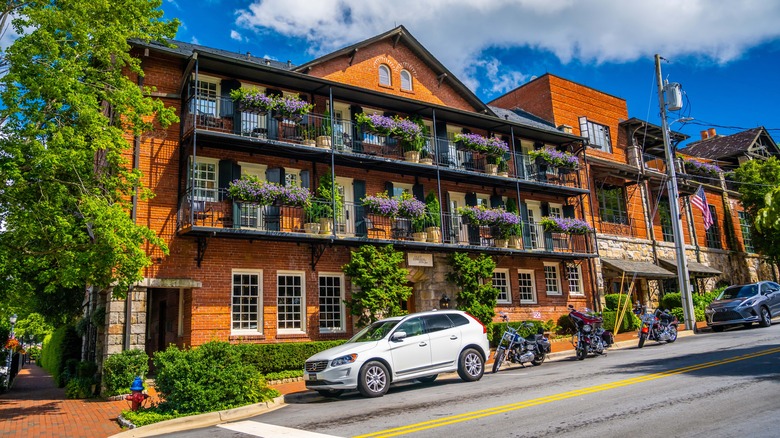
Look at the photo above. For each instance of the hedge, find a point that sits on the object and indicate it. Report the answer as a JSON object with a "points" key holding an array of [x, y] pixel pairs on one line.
{"points": [[611, 302], [63, 344], [630, 322], [670, 301], [274, 358], [119, 371]]}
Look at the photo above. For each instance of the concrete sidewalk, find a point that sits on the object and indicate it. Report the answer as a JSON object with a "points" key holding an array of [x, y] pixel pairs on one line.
{"points": [[35, 407]]}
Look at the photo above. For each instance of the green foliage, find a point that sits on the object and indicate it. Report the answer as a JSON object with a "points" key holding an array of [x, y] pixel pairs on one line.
{"points": [[611, 302], [433, 208], [670, 301], [67, 107], [276, 358], [497, 329], [565, 324], [208, 378], [79, 381], [326, 194], [759, 195], [473, 277], [33, 328], [119, 371], [629, 322], [381, 283], [62, 345], [281, 375], [145, 417]]}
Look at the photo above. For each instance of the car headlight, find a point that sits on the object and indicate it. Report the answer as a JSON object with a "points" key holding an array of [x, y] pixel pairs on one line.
{"points": [[587, 328], [343, 360], [749, 302]]}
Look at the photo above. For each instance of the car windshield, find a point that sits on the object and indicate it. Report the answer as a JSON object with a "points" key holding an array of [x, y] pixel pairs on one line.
{"points": [[734, 292], [374, 332]]}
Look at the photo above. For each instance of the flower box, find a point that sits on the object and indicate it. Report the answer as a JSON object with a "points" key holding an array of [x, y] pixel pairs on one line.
{"points": [[553, 157]]}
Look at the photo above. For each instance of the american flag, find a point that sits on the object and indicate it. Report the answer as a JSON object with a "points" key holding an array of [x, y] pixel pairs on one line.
{"points": [[699, 200]]}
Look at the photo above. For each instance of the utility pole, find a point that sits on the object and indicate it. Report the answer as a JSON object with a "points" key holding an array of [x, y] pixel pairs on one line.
{"points": [[674, 204]]}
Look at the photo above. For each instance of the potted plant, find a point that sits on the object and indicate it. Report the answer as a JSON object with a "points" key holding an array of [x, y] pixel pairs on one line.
{"points": [[565, 225], [503, 167], [504, 225], [308, 133], [381, 205], [253, 101], [410, 134], [433, 208], [330, 207], [375, 123], [414, 210], [291, 107], [553, 157], [699, 167], [472, 142], [324, 140], [516, 233], [425, 157]]}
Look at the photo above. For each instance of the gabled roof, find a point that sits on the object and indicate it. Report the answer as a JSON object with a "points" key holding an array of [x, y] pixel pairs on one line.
{"points": [[727, 146], [401, 34], [186, 50]]}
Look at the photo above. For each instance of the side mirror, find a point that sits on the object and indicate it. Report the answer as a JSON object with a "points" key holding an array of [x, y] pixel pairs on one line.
{"points": [[398, 336]]}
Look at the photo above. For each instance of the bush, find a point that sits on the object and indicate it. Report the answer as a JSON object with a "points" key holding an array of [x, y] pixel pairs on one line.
{"points": [[119, 371], [274, 358], [63, 344], [670, 301], [143, 417], [496, 329], [630, 322], [566, 327], [678, 312], [611, 302], [211, 377], [290, 374]]}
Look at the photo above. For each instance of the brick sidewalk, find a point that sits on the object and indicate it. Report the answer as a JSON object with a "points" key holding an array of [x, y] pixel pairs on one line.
{"points": [[35, 407]]}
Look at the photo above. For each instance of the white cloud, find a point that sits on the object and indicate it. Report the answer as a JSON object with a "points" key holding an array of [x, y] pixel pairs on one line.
{"points": [[236, 36], [194, 40], [176, 5], [596, 31]]}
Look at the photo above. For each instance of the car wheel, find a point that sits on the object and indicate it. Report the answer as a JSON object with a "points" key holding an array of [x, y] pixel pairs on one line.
{"points": [[471, 366], [373, 380], [672, 334], [427, 379], [330, 392], [766, 318], [717, 328]]}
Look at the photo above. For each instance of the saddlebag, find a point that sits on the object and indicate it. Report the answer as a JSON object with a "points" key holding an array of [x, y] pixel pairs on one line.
{"points": [[608, 338]]}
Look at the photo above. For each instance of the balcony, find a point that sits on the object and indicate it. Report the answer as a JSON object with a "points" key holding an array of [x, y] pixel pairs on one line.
{"points": [[618, 226], [210, 213], [215, 120]]}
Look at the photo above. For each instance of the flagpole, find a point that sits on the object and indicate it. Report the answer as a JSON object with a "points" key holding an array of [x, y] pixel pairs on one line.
{"points": [[683, 279]]}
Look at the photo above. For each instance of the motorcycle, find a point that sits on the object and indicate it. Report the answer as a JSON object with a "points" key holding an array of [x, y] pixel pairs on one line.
{"points": [[517, 349], [591, 336], [659, 326]]}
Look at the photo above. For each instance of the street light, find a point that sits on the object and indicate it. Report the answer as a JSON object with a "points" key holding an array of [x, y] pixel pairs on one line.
{"points": [[9, 353]]}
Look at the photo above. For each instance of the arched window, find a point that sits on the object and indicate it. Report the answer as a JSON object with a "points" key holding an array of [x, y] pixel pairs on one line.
{"points": [[384, 75], [406, 80]]}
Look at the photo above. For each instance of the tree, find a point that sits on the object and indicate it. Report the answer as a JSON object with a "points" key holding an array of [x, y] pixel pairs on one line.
{"points": [[33, 328], [381, 282], [68, 109], [757, 182], [477, 295]]}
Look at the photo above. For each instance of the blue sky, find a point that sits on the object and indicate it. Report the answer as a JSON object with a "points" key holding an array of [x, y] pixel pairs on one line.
{"points": [[725, 54]]}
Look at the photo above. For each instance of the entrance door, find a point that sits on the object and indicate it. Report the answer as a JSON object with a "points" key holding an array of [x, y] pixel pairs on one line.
{"points": [[534, 216], [346, 218], [458, 230]]}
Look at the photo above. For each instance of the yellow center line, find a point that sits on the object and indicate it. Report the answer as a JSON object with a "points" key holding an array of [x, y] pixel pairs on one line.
{"points": [[439, 422]]}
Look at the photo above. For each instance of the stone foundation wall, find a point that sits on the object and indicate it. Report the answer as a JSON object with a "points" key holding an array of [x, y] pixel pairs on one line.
{"points": [[114, 334]]}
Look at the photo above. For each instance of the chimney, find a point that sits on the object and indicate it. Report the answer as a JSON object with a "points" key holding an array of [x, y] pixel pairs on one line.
{"points": [[705, 135], [565, 128], [289, 64], [248, 55], [267, 61], [712, 132]]}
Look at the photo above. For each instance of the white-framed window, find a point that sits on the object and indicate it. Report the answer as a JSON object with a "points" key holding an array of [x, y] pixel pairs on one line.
{"points": [[501, 282], [483, 200], [556, 210], [552, 281], [406, 80], [252, 214], [384, 75], [598, 134], [331, 301], [207, 95], [290, 302], [399, 189], [247, 302], [574, 276], [292, 177], [526, 286], [204, 178]]}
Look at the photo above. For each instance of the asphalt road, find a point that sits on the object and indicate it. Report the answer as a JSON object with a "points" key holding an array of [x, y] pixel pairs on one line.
{"points": [[709, 385]]}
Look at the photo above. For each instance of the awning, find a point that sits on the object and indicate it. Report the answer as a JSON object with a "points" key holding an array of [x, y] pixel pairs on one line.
{"points": [[639, 269], [695, 269]]}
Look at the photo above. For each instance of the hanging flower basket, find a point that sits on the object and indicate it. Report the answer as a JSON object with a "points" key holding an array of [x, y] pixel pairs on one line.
{"points": [[699, 167], [253, 101], [250, 189]]}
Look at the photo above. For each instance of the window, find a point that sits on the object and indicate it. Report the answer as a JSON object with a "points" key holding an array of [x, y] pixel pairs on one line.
{"points": [[406, 80], [384, 75], [290, 302], [292, 177], [612, 205], [501, 282], [399, 189], [331, 303], [574, 275], [526, 286], [744, 224], [598, 135], [412, 327], [247, 302], [713, 233], [552, 282], [556, 210], [435, 323], [206, 92], [665, 216], [204, 179]]}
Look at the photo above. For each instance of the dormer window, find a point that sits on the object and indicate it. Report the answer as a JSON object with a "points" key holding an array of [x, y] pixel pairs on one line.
{"points": [[384, 75], [406, 80]]}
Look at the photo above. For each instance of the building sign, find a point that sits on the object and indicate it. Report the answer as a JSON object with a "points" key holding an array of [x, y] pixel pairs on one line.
{"points": [[420, 259]]}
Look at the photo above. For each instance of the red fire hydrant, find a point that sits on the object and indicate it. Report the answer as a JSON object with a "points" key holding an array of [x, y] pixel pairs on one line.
{"points": [[137, 398]]}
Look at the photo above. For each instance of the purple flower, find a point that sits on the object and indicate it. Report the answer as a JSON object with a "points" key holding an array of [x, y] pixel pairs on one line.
{"points": [[700, 166], [381, 205], [474, 142], [555, 157], [293, 104], [566, 225], [411, 208]]}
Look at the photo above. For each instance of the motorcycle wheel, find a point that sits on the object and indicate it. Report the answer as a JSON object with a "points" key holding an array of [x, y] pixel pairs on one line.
{"points": [[642, 338], [498, 360], [538, 359], [582, 352], [672, 334]]}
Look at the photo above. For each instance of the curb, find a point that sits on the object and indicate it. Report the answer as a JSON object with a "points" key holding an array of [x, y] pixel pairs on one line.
{"points": [[202, 420]]}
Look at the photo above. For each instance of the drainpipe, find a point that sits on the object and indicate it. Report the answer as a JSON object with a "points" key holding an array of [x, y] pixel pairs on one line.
{"points": [[332, 162], [591, 261]]}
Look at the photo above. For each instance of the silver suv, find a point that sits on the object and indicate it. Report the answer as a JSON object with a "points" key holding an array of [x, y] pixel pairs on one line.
{"points": [[418, 346], [744, 304]]}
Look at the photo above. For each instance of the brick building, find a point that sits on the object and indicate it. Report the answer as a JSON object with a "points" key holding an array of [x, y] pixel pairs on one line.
{"points": [[628, 203], [243, 272]]}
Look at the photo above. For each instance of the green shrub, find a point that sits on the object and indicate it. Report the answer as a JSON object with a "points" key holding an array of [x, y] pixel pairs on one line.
{"points": [[611, 302], [678, 312], [290, 374], [79, 387], [119, 371], [670, 301], [630, 322], [34, 351], [496, 329], [208, 378], [566, 327], [144, 417], [63, 344], [274, 358]]}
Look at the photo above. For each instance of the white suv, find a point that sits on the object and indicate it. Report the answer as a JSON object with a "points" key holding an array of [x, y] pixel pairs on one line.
{"points": [[417, 346]]}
